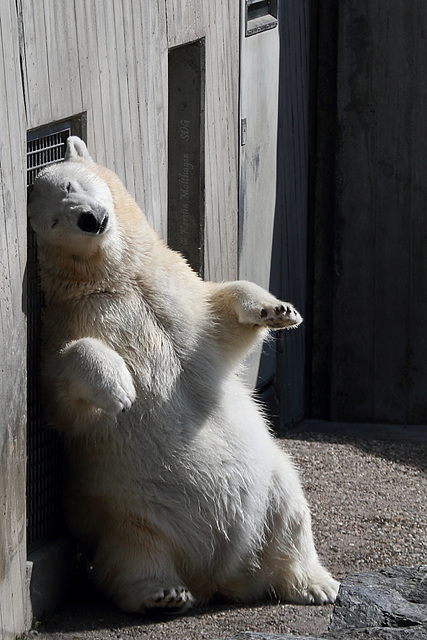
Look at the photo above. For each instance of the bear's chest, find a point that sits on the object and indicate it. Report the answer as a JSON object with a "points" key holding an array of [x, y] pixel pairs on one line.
{"points": [[119, 321]]}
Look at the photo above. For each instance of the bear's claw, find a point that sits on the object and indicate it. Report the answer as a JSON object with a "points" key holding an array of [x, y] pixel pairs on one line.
{"points": [[170, 600], [279, 317]]}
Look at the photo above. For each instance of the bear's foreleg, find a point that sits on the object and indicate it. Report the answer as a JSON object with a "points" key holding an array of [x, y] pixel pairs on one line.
{"points": [[92, 372], [244, 311]]}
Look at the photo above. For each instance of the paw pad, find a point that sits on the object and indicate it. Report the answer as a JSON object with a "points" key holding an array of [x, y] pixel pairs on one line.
{"points": [[279, 317], [171, 600]]}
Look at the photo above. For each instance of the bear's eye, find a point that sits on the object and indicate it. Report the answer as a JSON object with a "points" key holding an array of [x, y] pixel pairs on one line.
{"points": [[71, 186], [54, 223]]}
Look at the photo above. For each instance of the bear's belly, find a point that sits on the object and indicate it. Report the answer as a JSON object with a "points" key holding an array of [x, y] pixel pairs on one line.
{"points": [[206, 481]]}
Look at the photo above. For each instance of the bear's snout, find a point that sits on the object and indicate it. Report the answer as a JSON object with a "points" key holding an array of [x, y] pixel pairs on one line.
{"points": [[90, 222]]}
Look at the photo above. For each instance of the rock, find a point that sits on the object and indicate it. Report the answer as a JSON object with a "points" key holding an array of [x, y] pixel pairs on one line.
{"points": [[386, 605], [252, 635], [389, 604], [377, 633]]}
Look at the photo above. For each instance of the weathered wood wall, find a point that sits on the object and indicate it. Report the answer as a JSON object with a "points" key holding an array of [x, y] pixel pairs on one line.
{"points": [[13, 238], [290, 248], [374, 240], [109, 59]]}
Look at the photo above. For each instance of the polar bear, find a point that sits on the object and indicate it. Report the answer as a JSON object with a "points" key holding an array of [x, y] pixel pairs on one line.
{"points": [[177, 490]]}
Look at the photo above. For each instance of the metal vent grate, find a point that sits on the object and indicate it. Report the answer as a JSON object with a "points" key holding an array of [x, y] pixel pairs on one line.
{"points": [[44, 146], [44, 150]]}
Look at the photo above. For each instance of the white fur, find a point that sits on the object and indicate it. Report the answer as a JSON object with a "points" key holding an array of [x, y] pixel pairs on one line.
{"points": [[177, 489]]}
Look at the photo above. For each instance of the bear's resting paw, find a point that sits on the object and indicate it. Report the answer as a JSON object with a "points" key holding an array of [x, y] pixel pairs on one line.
{"points": [[320, 592], [172, 600]]}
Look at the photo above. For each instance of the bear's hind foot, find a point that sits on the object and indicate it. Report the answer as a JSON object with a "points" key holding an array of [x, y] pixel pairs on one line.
{"points": [[320, 591]]}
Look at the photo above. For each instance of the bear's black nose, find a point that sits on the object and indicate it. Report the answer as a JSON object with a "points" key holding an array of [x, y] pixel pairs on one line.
{"points": [[89, 223]]}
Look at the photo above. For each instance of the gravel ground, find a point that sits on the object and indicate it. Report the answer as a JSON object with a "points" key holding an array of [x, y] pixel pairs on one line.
{"points": [[368, 501]]}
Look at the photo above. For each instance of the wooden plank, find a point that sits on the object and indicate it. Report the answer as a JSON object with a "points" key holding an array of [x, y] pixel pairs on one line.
{"points": [[259, 74], [109, 53], [51, 67], [287, 263], [292, 204], [135, 183], [379, 349], [398, 162], [63, 59], [150, 87], [222, 140], [13, 615], [90, 76], [35, 65], [116, 14], [107, 99], [321, 225]]}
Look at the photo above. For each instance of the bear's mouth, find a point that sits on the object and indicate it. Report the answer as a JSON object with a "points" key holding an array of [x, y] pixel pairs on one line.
{"points": [[90, 223]]}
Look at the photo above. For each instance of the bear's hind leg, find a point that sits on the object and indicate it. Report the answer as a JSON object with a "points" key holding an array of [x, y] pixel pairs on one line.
{"points": [[289, 558], [299, 579], [286, 573]]}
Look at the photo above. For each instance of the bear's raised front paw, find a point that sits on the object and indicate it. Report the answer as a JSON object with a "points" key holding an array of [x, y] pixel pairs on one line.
{"points": [[271, 313], [279, 316], [256, 306], [170, 600]]}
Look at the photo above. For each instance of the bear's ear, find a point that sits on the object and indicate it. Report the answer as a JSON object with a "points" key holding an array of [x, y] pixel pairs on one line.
{"points": [[76, 149]]}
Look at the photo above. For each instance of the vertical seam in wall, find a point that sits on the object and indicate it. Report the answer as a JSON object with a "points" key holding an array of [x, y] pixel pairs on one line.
{"points": [[22, 54], [239, 153], [167, 23]]}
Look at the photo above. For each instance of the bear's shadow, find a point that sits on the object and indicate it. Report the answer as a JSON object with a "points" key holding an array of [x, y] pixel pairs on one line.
{"points": [[87, 610]]}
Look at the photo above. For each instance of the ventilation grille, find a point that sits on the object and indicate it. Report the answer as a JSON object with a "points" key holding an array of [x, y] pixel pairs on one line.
{"points": [[261, 15], [44, 146]]}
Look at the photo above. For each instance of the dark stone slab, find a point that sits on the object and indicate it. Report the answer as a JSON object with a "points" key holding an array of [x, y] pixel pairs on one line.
{"points": [[387, 605], [377, 633], [393, 597], [252, 635]]}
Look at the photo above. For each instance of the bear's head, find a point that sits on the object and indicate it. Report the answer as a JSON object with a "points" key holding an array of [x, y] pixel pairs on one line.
{"points": [[70, 205]]}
